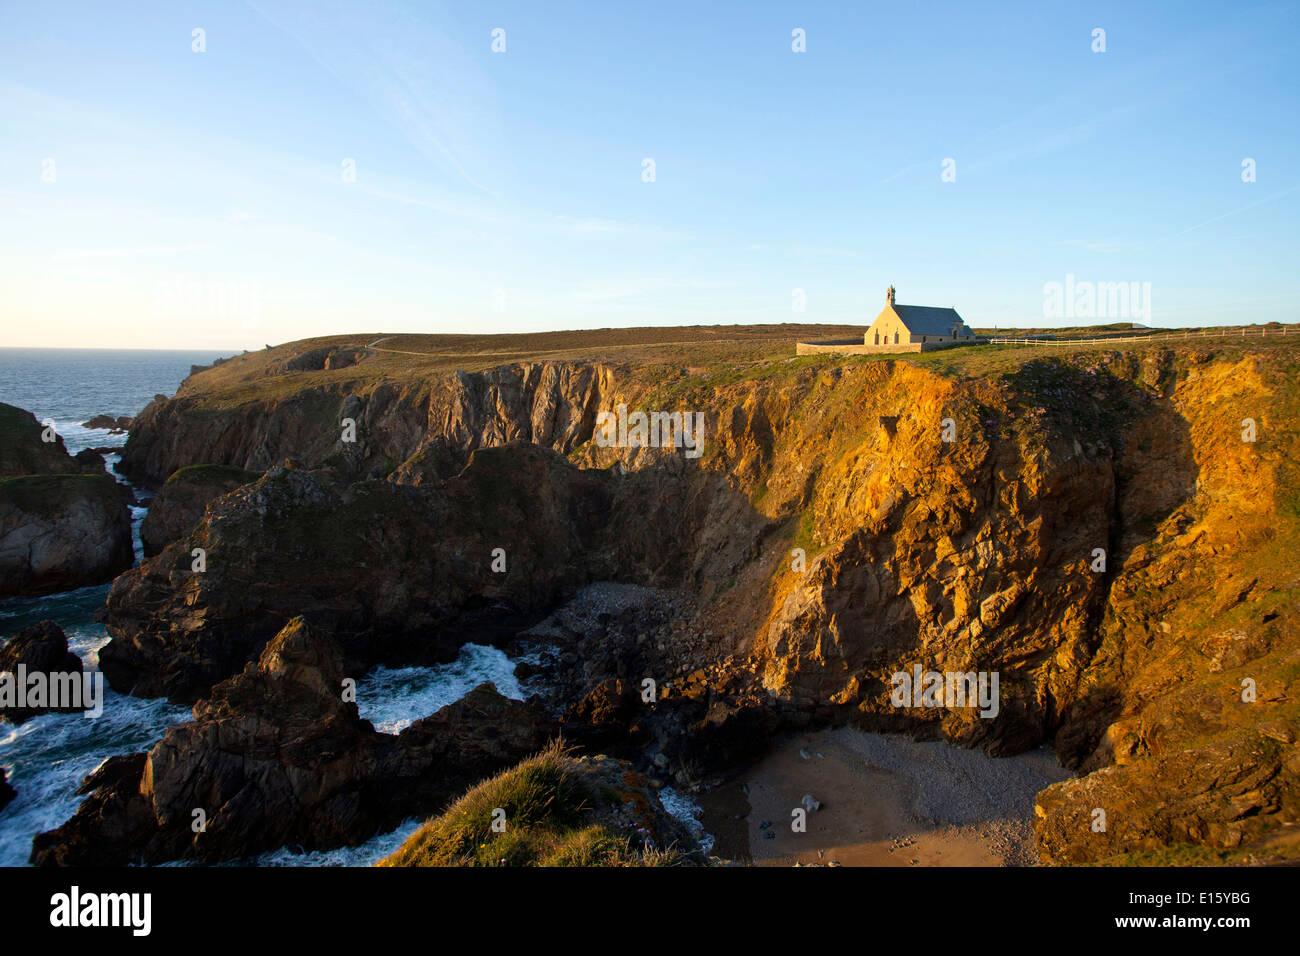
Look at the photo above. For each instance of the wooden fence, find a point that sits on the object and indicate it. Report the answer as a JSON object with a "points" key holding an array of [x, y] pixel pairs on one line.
{"points": [[1186, 335]]}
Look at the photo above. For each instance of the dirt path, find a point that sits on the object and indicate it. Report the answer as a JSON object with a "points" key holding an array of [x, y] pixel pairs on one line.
{"points": [[885, 800]]}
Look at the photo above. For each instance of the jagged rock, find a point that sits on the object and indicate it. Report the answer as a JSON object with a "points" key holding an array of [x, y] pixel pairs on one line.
{"points": [[276, 757], [115, 426], [180, 504], [549, 404], [43, 648], [1230, 794], [399, 574], [343, 358], [24, 452]]}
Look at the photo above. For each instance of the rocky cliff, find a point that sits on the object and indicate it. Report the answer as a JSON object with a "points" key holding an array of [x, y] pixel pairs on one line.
{"points": [[64, 521], [429, 427], [1099, 530]]}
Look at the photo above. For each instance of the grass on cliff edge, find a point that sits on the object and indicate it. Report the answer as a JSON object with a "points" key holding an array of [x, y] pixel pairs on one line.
{"points": [[546, 805], [212, 474], [674, 357]]}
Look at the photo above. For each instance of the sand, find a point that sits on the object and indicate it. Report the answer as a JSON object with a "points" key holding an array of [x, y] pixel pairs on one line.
{"points": [[886, 800]]}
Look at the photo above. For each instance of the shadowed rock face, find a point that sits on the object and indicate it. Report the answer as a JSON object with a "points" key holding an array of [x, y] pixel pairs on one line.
{"points": [[40, 647], [24, 452], [59, 532], [276, 757], [64, 522], [401, 574]]}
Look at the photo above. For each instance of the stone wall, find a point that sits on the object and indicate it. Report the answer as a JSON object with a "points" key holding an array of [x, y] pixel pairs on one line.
{"points": [[855, 347]]}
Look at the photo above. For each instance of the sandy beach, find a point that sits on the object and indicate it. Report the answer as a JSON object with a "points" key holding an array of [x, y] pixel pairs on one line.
{"points": [[885, 800]]}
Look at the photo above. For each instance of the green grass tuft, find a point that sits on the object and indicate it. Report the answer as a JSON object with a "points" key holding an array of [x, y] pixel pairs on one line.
{"points": [[548, 808]]}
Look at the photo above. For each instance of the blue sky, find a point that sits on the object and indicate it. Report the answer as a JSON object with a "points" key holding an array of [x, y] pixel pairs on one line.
{"points": [[155, 196]]}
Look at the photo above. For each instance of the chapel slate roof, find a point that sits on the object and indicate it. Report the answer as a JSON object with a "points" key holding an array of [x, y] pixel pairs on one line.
{"points": [[928, 320]]}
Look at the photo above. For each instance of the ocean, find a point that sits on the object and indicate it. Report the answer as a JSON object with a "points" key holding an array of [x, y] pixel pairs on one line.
{"points": [[47, 757]]}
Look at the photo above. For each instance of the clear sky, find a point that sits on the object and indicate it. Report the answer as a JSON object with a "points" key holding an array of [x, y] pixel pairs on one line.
{"points": [[153, 196]]}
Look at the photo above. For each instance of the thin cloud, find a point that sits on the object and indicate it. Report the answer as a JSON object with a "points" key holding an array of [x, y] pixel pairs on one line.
{"points": [[1233, 212], [414, 77]]}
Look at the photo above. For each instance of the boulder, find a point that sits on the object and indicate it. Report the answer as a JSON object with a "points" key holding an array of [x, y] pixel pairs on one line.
{"points": [[40, 647]]}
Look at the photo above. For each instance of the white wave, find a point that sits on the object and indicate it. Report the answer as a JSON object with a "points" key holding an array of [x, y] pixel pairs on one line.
{"points": [[46, 758], [367, 854], [394, 698], [685, 809], [76, 437]]}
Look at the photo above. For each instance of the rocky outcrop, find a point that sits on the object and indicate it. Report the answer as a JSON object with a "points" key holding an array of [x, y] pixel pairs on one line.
{"points": [[38, 648], [399, 574], [277, 757], [24, 449], [180, 504], [549, 404], [61, 531], [64, 522], [1236, 794], [115, 426], [696, 718]]}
